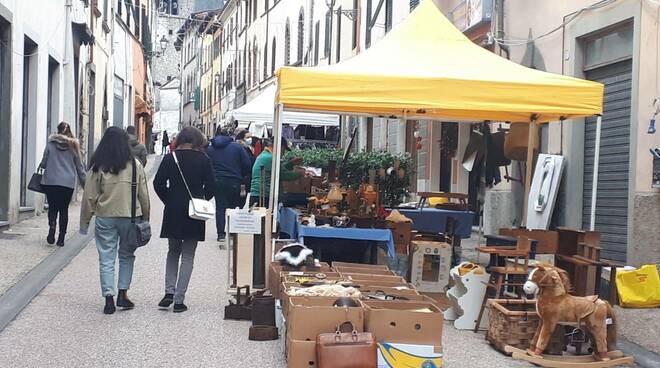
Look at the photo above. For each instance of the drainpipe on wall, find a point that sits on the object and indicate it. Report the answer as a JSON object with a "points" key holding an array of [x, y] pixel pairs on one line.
{"points": [[499, 5]]}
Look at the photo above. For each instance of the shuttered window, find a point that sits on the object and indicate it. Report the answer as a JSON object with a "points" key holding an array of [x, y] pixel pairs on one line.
{"points": [[413, 4]]}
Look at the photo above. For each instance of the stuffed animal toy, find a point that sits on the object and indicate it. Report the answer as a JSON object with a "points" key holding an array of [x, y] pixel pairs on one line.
{"points": [[295, 255], [554, 304]]}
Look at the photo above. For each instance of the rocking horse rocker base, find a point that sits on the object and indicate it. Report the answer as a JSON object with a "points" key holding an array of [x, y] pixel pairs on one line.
{"points": [[616, 358]]}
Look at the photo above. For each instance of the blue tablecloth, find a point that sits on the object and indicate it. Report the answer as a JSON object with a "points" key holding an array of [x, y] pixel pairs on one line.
{"points": [[288, 220], [433, 220]]}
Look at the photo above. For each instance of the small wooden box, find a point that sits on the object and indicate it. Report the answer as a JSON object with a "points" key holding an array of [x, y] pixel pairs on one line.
{"points": [[402, 234]]}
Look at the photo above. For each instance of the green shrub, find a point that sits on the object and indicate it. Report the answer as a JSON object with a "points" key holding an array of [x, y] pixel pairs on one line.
{"points": [[356, 170]]}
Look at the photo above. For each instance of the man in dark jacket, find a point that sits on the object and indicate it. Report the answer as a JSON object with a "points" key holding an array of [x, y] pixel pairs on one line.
{"points": [[231, 164], [139, 150]]}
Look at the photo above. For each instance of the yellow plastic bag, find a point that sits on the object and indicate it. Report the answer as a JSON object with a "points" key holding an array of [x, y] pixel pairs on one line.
{"points": [[639, 288]]}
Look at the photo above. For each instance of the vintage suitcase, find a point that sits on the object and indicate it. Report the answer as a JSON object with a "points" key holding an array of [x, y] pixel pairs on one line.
{"points": [[346, 349]]}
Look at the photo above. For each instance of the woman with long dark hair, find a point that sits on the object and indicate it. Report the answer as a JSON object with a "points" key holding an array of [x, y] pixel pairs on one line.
{"points": [[108, 197], [185, 166], [62, 166]]}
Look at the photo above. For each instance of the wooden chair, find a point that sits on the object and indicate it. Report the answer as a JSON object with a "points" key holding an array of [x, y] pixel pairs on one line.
{"points": [[499, 275]]}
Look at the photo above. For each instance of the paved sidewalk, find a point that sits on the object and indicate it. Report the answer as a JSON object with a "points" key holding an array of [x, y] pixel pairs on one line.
{"points": [[24, 246]]}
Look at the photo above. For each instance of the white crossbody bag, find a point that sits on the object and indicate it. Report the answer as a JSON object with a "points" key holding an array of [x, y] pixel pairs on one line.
{"points": [[198, 208]]}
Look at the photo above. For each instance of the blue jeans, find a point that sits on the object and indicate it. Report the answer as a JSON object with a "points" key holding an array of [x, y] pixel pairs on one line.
{"points": [[112, 237], [227, 195]]}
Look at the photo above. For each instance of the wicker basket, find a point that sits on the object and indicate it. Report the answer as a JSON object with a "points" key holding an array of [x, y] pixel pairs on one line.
{"points": [[514, 322]]}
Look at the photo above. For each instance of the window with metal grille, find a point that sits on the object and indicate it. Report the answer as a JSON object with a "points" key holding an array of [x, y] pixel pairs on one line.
{"points": [[287, 43], [355, 23], [301, 28], [265, 60], [338, 35], [328, 31], [316, 42], [274, 53]]}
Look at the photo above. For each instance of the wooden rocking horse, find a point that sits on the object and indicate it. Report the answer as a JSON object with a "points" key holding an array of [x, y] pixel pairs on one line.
{"points": [[555, 305]]}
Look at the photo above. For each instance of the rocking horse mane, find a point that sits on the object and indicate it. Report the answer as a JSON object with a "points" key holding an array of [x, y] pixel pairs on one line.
{"points": [[565, 279]]}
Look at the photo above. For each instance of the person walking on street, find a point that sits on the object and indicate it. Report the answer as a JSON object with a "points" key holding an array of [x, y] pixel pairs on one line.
{"points": [[165, 142], [138, 149], [62, 165], [186, 168], [231, 164], [265, 161], [244, 138], [108, 196]]}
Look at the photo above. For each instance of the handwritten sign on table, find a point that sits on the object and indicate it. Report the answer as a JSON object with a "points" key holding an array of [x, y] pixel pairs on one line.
{"points": [[245, 222]]}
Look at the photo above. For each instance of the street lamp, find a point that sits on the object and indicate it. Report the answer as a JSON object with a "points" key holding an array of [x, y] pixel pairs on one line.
{"points": [[163, 44]]}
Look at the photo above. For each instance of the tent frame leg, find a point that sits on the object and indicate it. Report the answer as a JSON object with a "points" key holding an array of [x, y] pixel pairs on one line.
{"points": [[594, 184], [275, 171], [532, 139]]}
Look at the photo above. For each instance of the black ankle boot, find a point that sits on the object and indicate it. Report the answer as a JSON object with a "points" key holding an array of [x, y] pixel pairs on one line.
{"points": [[167, 300], [109, 305], [60, 238], [50, 239], [123, 301]]}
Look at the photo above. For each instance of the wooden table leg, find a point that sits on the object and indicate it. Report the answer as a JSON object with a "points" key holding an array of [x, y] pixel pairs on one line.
{"points": [[613, 298]]}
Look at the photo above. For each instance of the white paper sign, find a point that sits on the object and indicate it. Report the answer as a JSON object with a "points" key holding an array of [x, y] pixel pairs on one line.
{"points": [[244, 222]]}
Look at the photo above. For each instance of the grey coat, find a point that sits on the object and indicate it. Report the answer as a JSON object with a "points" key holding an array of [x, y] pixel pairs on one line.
{"points": [[139, 150], [61, 162]]}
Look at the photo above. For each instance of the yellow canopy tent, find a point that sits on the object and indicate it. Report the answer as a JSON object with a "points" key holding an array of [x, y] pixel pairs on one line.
{"points": [[425, 68]]}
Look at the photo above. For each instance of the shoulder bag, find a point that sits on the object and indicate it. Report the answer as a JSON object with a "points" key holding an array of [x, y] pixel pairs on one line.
{"points": [[346, 349], [198, 208], [141, 230], [35, 181]]}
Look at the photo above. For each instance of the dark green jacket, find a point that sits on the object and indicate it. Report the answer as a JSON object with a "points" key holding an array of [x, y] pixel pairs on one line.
{"points": [[265, 160]]}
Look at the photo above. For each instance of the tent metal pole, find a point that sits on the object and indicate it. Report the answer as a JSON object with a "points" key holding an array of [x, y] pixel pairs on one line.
{"points": [[531, 143], [275, 172], [594, 183]]}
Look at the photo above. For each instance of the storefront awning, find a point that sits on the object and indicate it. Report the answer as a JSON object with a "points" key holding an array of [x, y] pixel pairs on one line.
{"points": [[260, 111], [425, 68]]}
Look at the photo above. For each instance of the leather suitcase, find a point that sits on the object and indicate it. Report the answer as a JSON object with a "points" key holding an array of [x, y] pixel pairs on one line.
{"points": [[346, 349]]}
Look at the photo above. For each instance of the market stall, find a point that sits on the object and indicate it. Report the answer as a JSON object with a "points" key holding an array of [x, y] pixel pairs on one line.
{"points": [[258, 114], [437, 73]]}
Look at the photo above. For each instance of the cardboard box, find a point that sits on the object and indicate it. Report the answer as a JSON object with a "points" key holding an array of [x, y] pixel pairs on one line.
{"points": [[301, 185], [300, 354], [310, 316], [274, 278], [403, 322], [363, 270], [408, 355], [285, 296], [361, 265], [401, 291], [431, 262]]}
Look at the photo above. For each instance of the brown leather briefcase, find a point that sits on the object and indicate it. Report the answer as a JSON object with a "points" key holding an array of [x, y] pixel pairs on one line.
{"points": [[346, 349]]}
